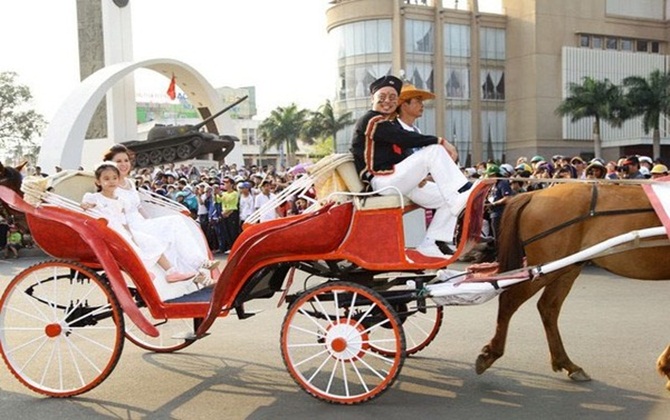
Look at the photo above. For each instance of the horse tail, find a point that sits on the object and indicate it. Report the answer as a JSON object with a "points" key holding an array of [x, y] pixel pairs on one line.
{"points": [[510, 248]]}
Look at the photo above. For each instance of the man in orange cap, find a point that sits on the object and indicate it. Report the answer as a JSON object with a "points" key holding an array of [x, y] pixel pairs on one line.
{"points": [[410, 106]]}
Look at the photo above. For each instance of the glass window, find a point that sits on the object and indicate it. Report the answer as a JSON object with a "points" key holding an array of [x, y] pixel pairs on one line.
{"points": [[597, 42], [655, 47], [355, 79], [420, 75], [611, 43], [456, 4], [626, 44], [456, 40], [642, 46], [457, 82], [419, 36], [493, 84], [584, 41], [492, 43], [367, 37]]}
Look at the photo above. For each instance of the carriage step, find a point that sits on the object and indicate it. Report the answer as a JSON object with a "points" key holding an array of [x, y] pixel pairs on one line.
{"points": [[188, 336], [242, 314]]}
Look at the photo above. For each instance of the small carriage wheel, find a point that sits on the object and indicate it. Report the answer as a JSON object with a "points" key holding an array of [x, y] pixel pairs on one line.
{"points": [[420, 327], [183, 151], [326, 340], [142, 160], [61, 328], [156, 156], [169, 154], [173, 333]]}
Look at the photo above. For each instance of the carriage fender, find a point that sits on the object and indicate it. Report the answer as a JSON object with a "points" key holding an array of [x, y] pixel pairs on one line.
{"points": [[289, 240], [119, 287]]}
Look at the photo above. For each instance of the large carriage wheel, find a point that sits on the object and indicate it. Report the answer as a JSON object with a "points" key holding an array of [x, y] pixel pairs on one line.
{"points": [[420, 326], [173, 333], [326, 341], [61, 328]]}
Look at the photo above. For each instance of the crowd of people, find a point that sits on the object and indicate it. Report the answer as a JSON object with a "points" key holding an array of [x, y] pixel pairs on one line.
{"points": [[221, 198]]}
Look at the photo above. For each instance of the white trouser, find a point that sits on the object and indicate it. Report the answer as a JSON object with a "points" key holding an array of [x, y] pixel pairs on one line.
{"points": [[438, 195]]}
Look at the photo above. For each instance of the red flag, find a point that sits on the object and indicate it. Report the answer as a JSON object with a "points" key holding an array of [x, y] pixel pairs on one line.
{"points": [[171, 92]]}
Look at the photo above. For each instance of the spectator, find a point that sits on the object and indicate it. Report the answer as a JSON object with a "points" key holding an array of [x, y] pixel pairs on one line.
{"points": [[4, 232], [263, 198], [246, 200], [659, 171], [230, 214], [14, 242], [631, 168], [596, 170]]}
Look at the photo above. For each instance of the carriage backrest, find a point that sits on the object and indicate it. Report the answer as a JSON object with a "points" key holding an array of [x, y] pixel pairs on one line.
{"points": [[72, 185]]}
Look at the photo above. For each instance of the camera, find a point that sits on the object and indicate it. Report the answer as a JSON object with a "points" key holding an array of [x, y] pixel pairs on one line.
{"points": [[622, 168]]}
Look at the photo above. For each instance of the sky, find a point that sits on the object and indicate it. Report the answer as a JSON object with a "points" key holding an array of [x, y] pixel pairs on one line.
{"points": [[279, 46]]}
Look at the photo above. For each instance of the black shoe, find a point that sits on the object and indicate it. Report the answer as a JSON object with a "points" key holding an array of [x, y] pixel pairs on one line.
{"points": [[445, 247], [465, 187]]}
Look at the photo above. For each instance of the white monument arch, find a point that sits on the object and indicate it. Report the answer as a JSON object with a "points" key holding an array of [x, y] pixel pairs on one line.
{"points": [[64, 144]]}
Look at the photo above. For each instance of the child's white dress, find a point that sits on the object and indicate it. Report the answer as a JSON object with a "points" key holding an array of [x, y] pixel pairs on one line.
{"points": [[147, 247]]}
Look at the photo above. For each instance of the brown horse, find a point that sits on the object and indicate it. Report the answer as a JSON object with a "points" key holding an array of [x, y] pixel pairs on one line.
{"points": [[11, 178], [549, 224]]}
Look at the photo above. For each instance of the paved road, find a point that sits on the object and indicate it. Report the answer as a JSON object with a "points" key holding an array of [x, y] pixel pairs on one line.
{"points": [[614, 328]]}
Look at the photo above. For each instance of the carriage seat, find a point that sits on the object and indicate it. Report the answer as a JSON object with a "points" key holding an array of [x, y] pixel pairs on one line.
{"points": [[345, 171]]}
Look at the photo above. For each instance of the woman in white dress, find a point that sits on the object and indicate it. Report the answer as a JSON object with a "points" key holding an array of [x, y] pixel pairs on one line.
{"points": [[186, 248]]}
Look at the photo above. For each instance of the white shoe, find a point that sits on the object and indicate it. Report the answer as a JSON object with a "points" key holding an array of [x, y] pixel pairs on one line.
{"points": [[459, 202], [431, 250]]}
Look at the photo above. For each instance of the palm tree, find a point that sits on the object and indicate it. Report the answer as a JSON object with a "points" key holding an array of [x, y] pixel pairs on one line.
{"points": [[283, 128], [325, 124], [650, 97], [600, 99]]}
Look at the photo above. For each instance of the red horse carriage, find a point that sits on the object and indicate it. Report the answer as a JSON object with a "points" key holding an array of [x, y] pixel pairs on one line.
{"points": [[367, 301], [363, 308]]}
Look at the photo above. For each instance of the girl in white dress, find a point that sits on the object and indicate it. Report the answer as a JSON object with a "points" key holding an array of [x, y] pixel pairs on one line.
{"points": [[187, 247], [150, 249]]}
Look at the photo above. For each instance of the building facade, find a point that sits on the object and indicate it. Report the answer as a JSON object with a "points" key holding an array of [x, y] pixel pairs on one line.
{"points": [[500, 68]]}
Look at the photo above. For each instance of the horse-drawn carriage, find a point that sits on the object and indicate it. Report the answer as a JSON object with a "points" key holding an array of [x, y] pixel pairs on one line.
{"points": [[367, 302]]}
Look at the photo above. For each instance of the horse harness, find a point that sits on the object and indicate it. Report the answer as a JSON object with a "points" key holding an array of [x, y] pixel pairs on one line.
{"points": [[591, 213]]}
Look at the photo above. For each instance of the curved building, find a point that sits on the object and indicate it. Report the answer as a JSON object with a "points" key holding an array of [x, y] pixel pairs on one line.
{"points": [[500, 68]]}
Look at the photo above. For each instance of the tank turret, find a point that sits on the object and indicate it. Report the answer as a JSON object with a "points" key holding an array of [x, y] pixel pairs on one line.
{"points": [[171, 143]]}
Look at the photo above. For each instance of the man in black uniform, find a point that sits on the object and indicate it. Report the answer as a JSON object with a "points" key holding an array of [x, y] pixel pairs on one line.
{"points": [[379, 149]]}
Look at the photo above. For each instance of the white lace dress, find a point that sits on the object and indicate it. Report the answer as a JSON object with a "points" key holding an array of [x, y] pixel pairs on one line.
{"points": [[186, 248]]}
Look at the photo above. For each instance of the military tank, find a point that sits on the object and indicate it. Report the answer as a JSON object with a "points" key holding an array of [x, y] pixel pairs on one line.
{"points": [[170, 143]]}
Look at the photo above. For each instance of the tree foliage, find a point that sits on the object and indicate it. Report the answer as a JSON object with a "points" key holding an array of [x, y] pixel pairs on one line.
{"points": [[601, 100], [283, 128], [20, 125], [650, 98], [286, 125]]}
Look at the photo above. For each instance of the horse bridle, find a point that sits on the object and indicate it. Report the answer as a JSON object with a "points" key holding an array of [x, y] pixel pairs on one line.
{"points": [[591, 213]]}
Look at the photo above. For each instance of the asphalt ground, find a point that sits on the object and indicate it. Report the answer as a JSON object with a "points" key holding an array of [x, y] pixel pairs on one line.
{"points": [[614, 328]]}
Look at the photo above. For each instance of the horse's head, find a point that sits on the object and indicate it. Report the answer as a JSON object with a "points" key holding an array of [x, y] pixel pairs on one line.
{"points": [[11, 178]]}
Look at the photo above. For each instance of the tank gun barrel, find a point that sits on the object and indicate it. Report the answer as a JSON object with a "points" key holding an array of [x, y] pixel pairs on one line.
{"points": [[210, 118]]}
